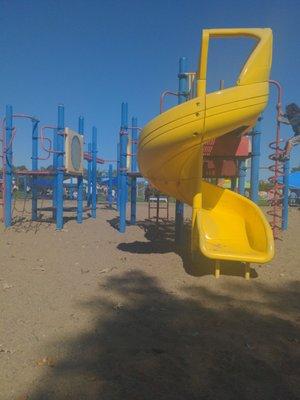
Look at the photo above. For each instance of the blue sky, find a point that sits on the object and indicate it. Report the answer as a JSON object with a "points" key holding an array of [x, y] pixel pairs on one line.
{"points": [[92, 55]]}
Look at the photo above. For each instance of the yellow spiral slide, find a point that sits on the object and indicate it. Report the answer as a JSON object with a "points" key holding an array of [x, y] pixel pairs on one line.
{"points": [[225, 225]]}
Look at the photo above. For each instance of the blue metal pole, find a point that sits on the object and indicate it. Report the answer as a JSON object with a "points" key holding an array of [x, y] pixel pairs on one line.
{"points": [[110, 177], [71, 188], [26, 182], [242, 176], [255, 154], [89, 176], [25, 185], [179, 212], [34, 167], [123, 166], [8, 165], [80, 179], [94, 172], [118, 177], [54, 199], [59, 179], [233, 183], [134, 139], [285, 205]]}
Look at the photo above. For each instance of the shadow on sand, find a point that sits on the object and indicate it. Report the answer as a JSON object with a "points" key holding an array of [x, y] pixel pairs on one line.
{"points": [[161, 239], [147, 344], [22, 221]]}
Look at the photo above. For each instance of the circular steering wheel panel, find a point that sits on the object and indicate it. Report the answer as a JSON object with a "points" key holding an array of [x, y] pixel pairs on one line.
{"points": [[76, 154]]}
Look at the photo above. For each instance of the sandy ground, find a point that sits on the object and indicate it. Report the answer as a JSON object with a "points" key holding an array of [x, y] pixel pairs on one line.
{"points": [[88, 313]]}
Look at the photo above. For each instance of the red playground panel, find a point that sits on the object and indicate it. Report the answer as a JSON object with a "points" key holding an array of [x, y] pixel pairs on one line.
{"points": [[228, 146], [220, 168], [221, 156]]}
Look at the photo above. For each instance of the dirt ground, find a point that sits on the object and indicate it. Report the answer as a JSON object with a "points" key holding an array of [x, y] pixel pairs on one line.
{"points": [[88, 313]]}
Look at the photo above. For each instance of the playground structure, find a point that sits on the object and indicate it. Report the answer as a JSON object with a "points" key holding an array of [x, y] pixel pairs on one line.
{"points": [[226, 156], [66, 148], [294, 186], [225, 225], [158, 203], [183, 151], [127, 172], [280, 169]]}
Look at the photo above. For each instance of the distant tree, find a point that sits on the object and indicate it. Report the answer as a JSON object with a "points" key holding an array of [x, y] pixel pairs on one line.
{"points": [[264, 186], [19, 168], [295, 169]]}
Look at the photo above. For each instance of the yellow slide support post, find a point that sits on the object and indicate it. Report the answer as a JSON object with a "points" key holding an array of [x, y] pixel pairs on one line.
{"points": [[225, 225]]}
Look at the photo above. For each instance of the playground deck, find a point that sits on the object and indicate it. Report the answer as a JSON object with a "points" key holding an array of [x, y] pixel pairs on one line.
{"points": [[87, 313]]}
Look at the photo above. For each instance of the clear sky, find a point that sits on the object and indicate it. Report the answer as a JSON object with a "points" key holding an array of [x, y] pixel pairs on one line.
{"points": [[91, 55]]}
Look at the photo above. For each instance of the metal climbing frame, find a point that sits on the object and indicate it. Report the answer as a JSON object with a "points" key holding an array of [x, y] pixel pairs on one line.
{"points": [[127, 176], [56, 148], [158, 203], [277, 157]]}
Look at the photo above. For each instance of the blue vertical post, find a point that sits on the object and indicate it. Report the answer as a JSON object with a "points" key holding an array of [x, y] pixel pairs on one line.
{"points": [[34, 167], [71, 188], [8, 165], [80, 179], [285, 203], [54, 169], [134, 138], [59, 178], [25, 181], [89, 176], [118, 177], [123, 166], [255, 154], [233, 184], [110, 178], [94, 172], [242, 176], [182, 89]]}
